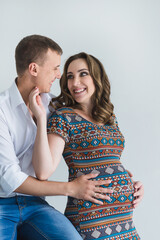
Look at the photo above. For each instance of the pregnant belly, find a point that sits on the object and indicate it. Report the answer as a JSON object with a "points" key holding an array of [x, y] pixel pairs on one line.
{"points": [[119, 208], [121, 198]]}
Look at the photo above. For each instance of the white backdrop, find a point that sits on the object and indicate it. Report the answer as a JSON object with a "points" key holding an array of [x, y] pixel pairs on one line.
{"points": [[125, 36]]}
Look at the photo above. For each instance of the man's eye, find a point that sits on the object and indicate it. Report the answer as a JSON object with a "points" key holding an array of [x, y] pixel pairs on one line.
{"points": [[69, 76], [82, 74]]}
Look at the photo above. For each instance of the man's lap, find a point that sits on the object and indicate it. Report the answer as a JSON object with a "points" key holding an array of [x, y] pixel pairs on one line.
{"points": [[35, 219]]}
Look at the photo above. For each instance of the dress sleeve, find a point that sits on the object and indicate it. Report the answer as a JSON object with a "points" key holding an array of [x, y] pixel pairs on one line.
{"points": [[58, 123]]}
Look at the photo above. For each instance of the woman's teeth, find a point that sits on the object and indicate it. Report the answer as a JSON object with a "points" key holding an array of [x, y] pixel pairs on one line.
{"points": [[80, 90]]}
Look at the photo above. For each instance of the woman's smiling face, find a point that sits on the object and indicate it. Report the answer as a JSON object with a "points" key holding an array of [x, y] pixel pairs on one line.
{"points": [[80, 83]]}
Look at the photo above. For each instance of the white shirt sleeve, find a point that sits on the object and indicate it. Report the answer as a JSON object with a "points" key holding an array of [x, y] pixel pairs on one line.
{"points": [[11, 176]]}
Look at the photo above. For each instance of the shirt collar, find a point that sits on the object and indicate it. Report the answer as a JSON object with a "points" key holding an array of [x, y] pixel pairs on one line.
{"points": [[16, 98], [46, 98]]}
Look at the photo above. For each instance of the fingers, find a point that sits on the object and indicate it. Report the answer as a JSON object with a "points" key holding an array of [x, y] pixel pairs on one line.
{"points": [[137, 201], [138, 194], [33, 94], [35, 99], [103, 190], [102, 196], [94, 200], [139, 189], [138, 184], [101, 193], [90, 175], [102, 182], [95, 193], [97, 182], [38, 99]]}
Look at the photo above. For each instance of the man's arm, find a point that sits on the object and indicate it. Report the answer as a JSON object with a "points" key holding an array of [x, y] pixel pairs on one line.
{"points": [[80, 188], [11, 175]]}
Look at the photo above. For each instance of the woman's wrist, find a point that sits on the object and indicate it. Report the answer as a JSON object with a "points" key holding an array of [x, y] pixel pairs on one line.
{"points": [[42, 120]]}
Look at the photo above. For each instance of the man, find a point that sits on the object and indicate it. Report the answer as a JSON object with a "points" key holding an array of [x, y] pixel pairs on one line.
{"points": [[22, 205]]}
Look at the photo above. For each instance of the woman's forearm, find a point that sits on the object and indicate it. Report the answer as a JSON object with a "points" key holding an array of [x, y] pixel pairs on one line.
{"points": [[41, 158], [44, 160]]}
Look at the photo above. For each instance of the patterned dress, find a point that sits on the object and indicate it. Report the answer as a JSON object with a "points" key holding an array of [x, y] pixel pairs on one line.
{"points": [[90, 148]]}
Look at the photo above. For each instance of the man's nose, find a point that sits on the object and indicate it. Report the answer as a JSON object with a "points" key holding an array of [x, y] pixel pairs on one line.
{"points": [[58, 74]]}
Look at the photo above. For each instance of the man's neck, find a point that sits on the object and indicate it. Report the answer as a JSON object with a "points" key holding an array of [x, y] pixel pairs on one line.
{"points": [[24, 87]]}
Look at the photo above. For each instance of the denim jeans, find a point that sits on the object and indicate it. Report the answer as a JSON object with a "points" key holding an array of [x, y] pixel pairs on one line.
{"points": [[32, 218]]}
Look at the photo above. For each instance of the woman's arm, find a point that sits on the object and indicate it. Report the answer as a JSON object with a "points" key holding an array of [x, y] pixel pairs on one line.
{"points": [[47, 152], [43, 161]]}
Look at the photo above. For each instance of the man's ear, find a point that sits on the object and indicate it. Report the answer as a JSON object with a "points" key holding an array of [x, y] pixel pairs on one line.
{"points": [[33, 69]]}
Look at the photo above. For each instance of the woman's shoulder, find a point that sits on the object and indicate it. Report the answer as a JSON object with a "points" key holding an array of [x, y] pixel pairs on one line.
{"points": [[61, 113], [64, 110]]}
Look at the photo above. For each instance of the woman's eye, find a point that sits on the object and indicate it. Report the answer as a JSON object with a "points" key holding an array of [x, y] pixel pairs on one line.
{"points": [[82, 74], [69, 76]]}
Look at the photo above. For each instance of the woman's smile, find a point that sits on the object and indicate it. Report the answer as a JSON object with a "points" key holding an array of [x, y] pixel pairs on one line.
{"points": [[80, 82]]}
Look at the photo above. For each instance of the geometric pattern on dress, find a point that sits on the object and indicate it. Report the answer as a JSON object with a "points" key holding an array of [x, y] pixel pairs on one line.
{"points": [[90, 148]]}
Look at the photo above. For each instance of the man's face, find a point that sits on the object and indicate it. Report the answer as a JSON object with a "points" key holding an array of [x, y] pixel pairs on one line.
{"points": [[48, 71]]}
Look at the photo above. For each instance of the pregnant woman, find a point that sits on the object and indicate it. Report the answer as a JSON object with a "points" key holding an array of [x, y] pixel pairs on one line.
{"points": [[84, 129]]}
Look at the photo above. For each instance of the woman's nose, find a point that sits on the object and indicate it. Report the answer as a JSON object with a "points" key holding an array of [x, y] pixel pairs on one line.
{"points": [[76, 81]]}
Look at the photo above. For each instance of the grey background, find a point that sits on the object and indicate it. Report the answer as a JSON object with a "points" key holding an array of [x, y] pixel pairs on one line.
{"points": [[125, 36]]}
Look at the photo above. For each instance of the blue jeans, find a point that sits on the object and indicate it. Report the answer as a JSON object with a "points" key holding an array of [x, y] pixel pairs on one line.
{"points": [[32, 218]]}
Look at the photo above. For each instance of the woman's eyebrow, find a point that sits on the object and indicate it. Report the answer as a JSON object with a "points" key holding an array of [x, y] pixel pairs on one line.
{"points": [[69, 73], [82, 69]]}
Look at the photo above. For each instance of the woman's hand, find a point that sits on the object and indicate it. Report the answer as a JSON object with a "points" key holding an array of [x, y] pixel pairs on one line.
{"points": [[36, 105], [138, 191]]}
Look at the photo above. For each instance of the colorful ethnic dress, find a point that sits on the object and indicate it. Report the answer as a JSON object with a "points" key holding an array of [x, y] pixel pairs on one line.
{"points": [[91, 148]]}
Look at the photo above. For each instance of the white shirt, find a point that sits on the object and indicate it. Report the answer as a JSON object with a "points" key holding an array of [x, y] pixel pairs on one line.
{"points": [[17, 136]]}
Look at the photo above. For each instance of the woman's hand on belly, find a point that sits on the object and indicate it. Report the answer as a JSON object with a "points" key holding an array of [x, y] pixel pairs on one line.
{"points": [[85, 188], [138, 191]]}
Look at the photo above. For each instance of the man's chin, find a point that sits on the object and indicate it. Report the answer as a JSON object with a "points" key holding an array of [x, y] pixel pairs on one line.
{"points": [[45, 90]]}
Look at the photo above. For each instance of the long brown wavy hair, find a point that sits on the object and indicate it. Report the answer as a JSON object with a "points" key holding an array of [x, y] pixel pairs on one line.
{"points": [[102, 107]]}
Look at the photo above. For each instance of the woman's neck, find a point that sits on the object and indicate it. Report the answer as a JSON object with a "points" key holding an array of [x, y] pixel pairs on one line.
{"points": [[87, 109]]}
